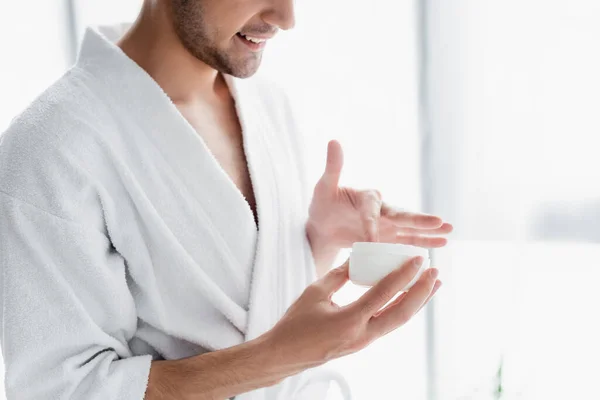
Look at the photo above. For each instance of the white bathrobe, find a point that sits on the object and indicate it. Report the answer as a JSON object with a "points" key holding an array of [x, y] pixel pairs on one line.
{"points": [[122, 239]]}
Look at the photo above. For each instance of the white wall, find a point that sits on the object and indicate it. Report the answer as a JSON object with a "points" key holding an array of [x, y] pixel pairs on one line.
{"points": [[33, 52]]}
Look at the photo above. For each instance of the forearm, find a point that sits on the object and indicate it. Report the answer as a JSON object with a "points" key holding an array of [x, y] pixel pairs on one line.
{"points": [[324, 252], [217, 375]]}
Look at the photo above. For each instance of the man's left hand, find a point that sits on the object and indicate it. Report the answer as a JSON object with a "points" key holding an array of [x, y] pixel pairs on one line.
{"points": [[340, 216]]}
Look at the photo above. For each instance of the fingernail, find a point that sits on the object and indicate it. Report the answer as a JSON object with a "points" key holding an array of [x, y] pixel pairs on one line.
{"points": [[434, 273], [418, 261]]}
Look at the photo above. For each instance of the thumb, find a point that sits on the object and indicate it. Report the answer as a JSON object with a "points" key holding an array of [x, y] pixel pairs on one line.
{"points": [[336, 278], [335, 162]]}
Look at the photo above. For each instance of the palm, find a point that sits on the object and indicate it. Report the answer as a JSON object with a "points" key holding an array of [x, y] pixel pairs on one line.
{"points": [[346, 215]]}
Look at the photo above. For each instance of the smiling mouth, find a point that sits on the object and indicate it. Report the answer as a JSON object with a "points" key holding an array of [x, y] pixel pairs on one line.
{"points": [[251, 38], [254, 43]]}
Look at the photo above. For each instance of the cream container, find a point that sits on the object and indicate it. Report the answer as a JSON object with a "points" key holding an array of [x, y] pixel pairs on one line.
{"points": [[371, 261]]}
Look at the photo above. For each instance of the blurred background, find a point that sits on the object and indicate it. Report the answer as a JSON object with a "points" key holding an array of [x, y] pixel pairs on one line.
{"points": [[481, 111]]}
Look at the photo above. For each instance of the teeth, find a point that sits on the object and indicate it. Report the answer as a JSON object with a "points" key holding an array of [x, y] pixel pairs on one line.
{"points": [[254, 40]]}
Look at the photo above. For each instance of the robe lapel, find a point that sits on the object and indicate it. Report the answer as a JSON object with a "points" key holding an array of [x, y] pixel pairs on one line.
{"points": [[281, 271], [216, 196], [265, 295], [218, 207]]}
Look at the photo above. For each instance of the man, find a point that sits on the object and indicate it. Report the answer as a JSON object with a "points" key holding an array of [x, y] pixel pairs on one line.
{"points": [[157, 238]]}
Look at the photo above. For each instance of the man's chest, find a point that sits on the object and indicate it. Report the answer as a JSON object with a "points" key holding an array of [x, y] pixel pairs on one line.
{"points": [[221, 132]]}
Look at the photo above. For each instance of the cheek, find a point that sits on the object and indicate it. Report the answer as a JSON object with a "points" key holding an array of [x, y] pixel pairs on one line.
{"points": [[230, 16]]}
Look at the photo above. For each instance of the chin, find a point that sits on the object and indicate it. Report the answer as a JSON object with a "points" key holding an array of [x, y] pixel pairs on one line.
{"points": [[238, 66], [244, 74], [244, 70]]}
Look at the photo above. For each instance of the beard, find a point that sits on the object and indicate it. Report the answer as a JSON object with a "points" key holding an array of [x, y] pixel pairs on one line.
{"points": [[197, 37]]}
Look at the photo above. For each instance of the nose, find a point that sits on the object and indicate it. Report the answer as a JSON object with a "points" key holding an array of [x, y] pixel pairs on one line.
{"points": [[281, 14]]}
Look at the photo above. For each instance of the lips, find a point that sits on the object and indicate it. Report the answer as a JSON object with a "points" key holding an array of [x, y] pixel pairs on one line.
{"points": [[253, 39], [253, 43]]}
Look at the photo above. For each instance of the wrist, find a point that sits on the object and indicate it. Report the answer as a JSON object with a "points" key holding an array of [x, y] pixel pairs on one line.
{"points": [[229, 372], [318, 238], [283, 359], [274, 363], [324, 248]]}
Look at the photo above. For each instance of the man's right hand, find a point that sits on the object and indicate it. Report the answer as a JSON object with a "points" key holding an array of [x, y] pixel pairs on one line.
{"points": [[315, 330]]}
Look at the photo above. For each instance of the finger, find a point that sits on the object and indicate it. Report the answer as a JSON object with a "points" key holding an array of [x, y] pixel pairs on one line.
{"points": [[398, 299], [442, 230], [421, 241], [334, 279], [384, 290], [335, 162], [436, 287], [410, 219], [400, 313], [370, 213]]}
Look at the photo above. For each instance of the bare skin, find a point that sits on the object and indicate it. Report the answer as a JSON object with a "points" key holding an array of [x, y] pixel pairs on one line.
{"points": [[186, 46], [221, 132]]}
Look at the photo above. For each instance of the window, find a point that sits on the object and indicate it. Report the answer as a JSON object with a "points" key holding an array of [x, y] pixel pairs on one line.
{"points": [[512, 97]]}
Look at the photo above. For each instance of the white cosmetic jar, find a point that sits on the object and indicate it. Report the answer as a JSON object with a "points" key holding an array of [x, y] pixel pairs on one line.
{"points": [[371, 261]]}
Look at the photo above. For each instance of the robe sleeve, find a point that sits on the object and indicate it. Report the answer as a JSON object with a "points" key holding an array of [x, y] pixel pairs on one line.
{"points": [[67, 313]]}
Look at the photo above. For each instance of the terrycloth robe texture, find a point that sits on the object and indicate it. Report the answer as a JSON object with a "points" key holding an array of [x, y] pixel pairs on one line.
{"points": [[122, 239]]}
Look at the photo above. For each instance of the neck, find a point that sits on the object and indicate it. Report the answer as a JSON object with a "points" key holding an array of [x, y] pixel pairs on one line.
{"points": [[154, 45]]}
